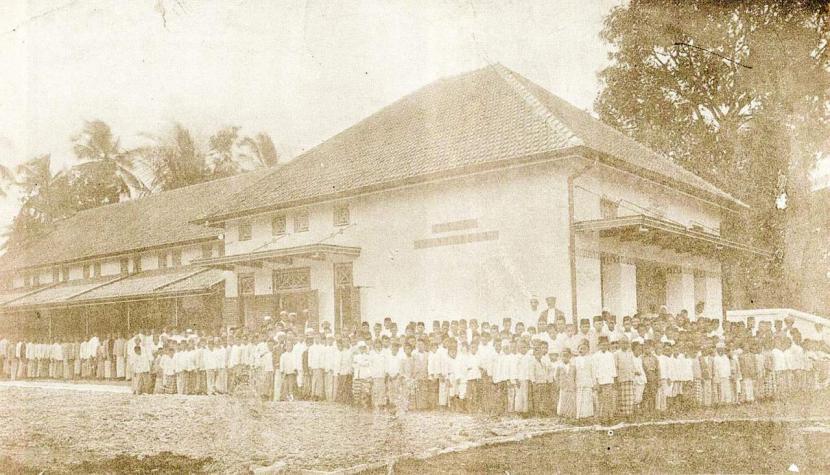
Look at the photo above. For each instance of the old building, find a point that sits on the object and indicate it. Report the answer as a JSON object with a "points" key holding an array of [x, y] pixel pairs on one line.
{"points": [[465, 199]]}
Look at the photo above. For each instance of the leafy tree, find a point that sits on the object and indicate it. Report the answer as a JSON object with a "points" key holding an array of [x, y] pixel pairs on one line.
{"points": [[176, 161], [106, 170], [261, 150], [737, 92]]}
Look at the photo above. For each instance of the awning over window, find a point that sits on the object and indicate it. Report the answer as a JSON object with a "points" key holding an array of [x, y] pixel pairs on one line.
{"points": [[667, 234], [284, 255], [141, 286]]}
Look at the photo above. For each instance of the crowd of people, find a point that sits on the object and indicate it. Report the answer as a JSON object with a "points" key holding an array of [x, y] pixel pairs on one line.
{"points": [[597, 369]]}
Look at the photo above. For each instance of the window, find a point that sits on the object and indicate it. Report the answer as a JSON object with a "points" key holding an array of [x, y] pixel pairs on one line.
{"points": [[125, 265], [292, 279], [136, 264], [608, 209], [177, 258], [27, 280], [341, 215], [278, 225], [245, 231], [247, 284], [36, 280], [87, 271], [64, 274], [96, 269], [222, 249], [301, 221], [343, 274], [56, 275], [162, 257], [207, 251]]}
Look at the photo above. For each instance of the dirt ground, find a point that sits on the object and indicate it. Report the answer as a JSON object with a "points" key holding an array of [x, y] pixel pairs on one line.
{"points": [[70, 431]]}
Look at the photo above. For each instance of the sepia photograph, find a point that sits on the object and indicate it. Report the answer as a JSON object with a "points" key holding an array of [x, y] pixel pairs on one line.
{"points": [[414, 237]]}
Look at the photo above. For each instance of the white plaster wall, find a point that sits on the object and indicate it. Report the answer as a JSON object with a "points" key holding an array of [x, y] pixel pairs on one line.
{"points": [[589, 286], [45, 276], [111, 267], [486, 280]]}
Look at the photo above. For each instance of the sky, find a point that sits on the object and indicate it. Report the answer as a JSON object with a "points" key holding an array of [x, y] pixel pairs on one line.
{"points": [[299, 70]]}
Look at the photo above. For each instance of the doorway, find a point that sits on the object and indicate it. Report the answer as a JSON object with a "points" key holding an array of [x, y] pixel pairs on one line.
{"points": [[346, 298], [651, 287], [298, 301]]}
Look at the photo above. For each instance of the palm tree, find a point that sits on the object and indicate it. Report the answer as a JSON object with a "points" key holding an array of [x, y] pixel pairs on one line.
{"points": [[176, 161], [221, 152], [106, 165], [261, 150], [46, 198], [6, 177]]}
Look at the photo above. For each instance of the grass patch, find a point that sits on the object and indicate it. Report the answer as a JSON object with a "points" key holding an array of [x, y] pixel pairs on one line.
{"points": [[161, 463], [706, 447]]}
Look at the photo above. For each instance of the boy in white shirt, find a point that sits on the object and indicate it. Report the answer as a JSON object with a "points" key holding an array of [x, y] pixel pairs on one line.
{"points": [[288, 370], [377, 370], [210, 366], [316, 365], [664, 374], [722, 372], [605, 372], [331, 365], [141, 369], [266, 369], [523, 375], [393, 369], [168, 372], [362, 380], [346, 368]]}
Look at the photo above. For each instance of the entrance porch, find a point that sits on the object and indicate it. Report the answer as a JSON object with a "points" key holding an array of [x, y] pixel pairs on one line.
{"points": [[315, 282], [639, 263]]}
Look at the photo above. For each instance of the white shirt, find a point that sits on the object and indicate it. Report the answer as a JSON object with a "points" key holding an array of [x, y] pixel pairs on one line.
{"points": [[722, 367], [288, 363], [141, 364], [605, 367], [377, 364], [362, 365]]}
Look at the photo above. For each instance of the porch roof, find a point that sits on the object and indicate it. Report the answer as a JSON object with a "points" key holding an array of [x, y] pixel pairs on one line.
{"points": [[141, 286], [666, 234], [281, 256]]}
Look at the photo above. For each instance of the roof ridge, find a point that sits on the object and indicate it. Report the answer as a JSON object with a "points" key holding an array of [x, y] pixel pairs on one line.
{"points": [[556, 126]]}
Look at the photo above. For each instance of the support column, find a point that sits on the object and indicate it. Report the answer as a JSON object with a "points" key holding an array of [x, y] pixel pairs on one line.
{"points": [[610, 270], [588, 284], [628, 289], [714, 295], [619, 286], [680, 290]]}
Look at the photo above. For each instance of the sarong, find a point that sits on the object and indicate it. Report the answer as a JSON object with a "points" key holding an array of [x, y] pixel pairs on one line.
{"points": [[625, 398], [566, 406], [584, 402]]}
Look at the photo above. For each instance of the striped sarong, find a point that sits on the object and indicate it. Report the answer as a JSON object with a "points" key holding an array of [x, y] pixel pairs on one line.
{"points": [[625, 398]]}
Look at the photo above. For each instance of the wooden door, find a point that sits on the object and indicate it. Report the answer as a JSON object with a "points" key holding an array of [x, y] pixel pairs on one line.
{"points": [[651, 287]]}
